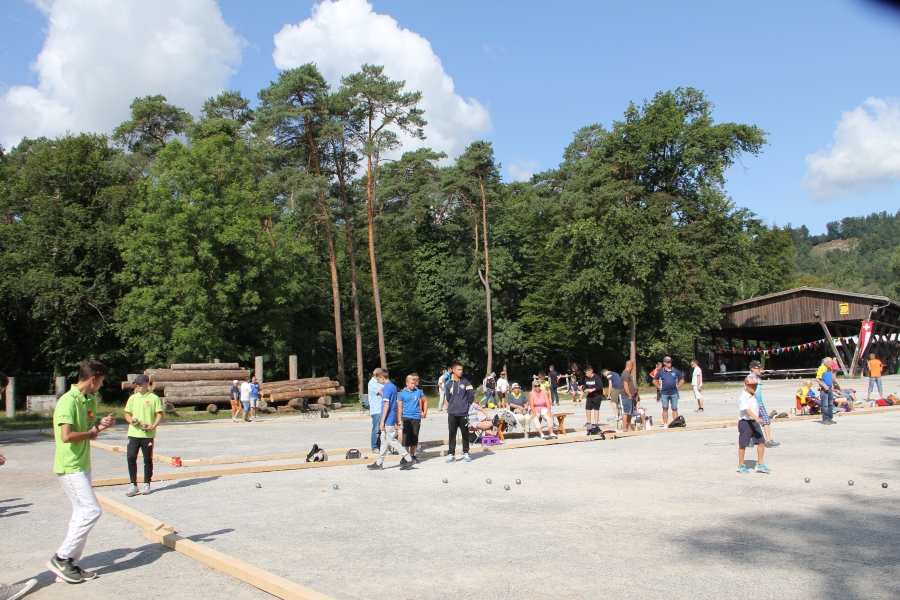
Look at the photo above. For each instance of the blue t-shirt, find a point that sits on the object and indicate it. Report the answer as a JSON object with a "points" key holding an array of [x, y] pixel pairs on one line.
{"points": [[389, 393], [410, 400], [235, 393], [668, 380], [827, 377], [254, 389], [375, 401], [615, 379]]}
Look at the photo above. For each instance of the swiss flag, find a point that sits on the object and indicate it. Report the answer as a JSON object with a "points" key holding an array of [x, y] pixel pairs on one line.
{"points": [[865, 336]]}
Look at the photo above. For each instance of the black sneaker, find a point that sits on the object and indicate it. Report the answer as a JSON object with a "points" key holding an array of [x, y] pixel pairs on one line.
{"points": [[406, 465], [772, 444], [375, 467], [415, 460], [65, 570], [86, 575]]}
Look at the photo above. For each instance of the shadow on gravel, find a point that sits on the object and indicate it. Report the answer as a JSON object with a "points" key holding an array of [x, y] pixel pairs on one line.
{"points": [[850, 548], [208, 537], [4, 509], [185, 483], [17, 438]]}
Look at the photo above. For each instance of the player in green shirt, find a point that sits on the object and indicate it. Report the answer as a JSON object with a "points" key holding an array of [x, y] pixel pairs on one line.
{"points": [[73, 429], [143, 411]]}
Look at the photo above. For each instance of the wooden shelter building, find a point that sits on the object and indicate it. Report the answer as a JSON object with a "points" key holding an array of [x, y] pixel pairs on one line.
{"points": [[798, 317]]}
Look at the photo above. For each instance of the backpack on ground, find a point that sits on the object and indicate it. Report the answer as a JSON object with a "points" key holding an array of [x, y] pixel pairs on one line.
{"points": [[677, 422], [352, 454], [894, 399], [593, 429], [781, 415], [881, 402], [312, 453]]}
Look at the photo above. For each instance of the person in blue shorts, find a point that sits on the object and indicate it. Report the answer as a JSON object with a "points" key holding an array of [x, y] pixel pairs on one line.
{"points": [[756, 372], [668, 380], [410, 403]]}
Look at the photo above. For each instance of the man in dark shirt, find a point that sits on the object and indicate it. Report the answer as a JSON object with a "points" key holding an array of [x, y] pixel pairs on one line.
{"points": [[593, 388], [629, 389], [553, 376], [615, 390], [668, 380], [460, 394]]}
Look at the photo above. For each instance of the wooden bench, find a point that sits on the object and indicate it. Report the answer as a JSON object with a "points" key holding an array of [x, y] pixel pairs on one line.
{"points": [[560, 421]]}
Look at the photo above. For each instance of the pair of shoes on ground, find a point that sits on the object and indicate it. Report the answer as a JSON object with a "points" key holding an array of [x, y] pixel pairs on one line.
{"points": [[68, 572], [760, 468], [552, 436], [405, 465], [15, 591], [465, 457], [828, 422], [144, 490]]}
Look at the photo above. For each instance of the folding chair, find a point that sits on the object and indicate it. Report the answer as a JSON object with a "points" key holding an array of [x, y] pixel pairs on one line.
{"points": [[364, 406]]}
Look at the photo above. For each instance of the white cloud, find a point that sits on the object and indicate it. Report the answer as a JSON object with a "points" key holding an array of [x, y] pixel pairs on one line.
{"points": [[522, 170], [100, 54], [342, 35], [865, 155]]}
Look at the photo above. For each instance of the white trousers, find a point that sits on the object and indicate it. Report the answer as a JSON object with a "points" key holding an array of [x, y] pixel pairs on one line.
{"points": [[85, 513], [389, 438], [441, 397]]}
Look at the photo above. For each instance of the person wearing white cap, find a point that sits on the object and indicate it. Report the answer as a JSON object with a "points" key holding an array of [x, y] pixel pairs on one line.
{"points": [[749, 427], [235, 401], [518, 403], [502, 389]]}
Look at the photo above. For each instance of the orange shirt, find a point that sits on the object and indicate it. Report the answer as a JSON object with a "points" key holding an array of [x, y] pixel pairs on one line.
{"points": [[875, 367]]}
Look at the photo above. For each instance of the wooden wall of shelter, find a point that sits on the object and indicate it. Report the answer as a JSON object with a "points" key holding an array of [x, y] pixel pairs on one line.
{"points": [[788, 318]]}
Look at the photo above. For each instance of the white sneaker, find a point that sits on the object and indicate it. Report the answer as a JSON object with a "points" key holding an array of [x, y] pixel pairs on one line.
{"points": [[12, 592], [467, 458], [234, 419], [133, 491], [145, 489]]}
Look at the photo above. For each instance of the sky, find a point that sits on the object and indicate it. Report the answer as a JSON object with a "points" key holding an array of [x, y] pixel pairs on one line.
{"points": [[821, 77]]}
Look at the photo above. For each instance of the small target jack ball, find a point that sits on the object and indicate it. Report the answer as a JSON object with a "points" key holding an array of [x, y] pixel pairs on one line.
{"points": [[259, 485], [850, 482], [445, 480], [506, 487], [884, 485], [806, 480], [334, 487], [488, 481], [518, 482]]}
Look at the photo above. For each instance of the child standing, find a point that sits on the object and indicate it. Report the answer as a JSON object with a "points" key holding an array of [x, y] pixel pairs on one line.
{"points": [[73, 430], [749, 427], [143, 412], [409, 405]]}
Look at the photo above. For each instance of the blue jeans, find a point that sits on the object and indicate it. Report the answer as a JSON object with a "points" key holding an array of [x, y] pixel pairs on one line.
{"points": [[873, 381], [827, 404], [670, 399], [376, 423], [554, 394]]}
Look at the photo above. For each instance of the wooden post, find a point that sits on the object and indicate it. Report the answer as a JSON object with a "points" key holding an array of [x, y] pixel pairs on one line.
{"points": [[11, 398], [834, 349], [259, 369], [216, 360], [60, 386], [292, 367]]}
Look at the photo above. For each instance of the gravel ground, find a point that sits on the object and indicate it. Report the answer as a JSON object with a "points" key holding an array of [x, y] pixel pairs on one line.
{"points": [[640, 517]]}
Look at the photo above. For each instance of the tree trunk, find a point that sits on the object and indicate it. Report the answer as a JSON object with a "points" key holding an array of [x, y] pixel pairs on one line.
{"points": [[634, 347], [370, 216], [354, 292], [486, 280], [332, 260]]}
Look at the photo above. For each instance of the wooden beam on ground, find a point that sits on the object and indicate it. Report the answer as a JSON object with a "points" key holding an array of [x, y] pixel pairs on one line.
{"points": [[164, 534], [206, 367]]}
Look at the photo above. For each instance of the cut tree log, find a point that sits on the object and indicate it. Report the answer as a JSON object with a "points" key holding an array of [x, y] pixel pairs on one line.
{"points": [[212, 409], [206, 367], [294, 382], [160, 385], [202, 390], [336, 406], [194, 400], [281, 397], [291, 386], [170, 375], [169, 407]]}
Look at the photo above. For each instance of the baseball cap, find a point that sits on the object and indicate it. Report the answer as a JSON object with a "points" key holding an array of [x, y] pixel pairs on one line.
{"points": [[516, 386], [140, 379], [493, 374], [755, 363], [751, 380], [234, 382], [667, 359]]}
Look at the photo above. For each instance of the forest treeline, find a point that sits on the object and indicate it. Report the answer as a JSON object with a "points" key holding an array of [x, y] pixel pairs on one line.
{"points": [[301, 227]]}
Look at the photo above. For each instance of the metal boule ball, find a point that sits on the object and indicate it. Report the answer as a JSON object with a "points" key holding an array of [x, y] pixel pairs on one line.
{"points": [[334, 487], [850, 482], [506, 487], [806, 480], [518, 482], [445, 480], [259, 485], [884, 485], [489, 481]]}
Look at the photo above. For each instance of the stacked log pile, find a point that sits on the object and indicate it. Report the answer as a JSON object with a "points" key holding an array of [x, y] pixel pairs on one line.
{"points": [[194, 384], [316, 391]]}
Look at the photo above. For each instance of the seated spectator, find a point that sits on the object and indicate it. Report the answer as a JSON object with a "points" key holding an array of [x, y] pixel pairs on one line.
{"points": [[479, 419], [518, 403], [844, 398], [803, 394], [539, 408], [573, 387], [642, 415]]}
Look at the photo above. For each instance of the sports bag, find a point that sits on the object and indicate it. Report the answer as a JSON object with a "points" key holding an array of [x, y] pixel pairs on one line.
{"points": [[593, 429], [894, 399], [881, 402], [352, 454], [677, 422]]}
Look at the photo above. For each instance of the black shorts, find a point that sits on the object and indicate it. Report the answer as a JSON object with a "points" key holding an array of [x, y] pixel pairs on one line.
{"points": [[750, 430], [411, 432], [593, 403]]}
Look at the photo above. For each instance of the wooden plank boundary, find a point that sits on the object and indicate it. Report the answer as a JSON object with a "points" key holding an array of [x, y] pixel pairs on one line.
{"points": [[161, 533]]}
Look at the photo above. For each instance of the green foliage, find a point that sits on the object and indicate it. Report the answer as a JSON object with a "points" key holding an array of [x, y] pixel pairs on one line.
{"points": [[154, 122]]}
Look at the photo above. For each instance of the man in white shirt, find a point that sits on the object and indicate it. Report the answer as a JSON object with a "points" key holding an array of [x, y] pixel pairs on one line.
{"points": [[245, 399], [502, 389], [376, 402], [697, 384], [750, 427]]}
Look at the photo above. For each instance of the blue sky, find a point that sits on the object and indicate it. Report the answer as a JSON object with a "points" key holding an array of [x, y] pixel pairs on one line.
{"points": [[542, 70]]}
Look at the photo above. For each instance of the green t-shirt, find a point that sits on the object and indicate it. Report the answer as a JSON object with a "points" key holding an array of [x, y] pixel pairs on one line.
{"points": [[77, 410], [143, 408]]}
